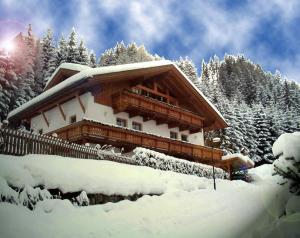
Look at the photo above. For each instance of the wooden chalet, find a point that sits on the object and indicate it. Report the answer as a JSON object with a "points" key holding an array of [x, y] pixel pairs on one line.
{"points": [[151, 104]]}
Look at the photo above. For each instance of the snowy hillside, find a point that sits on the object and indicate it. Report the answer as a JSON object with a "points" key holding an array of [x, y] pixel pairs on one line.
{"points": [[187, 207]]}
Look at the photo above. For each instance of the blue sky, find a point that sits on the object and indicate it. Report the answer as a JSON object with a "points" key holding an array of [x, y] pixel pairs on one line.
{"points": [[266, 31]]}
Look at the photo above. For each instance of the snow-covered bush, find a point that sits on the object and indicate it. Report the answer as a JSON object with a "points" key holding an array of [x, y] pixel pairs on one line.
{"points": [[29, 196], [161, 161], [7, 194], [82, 199], [287, 149]]}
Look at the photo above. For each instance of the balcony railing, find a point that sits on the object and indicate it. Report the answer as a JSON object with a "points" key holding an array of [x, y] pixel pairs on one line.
{"points": [[89, 131], [151, 109]]}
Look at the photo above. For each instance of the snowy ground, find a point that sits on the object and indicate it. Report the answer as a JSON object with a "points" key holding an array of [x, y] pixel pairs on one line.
{"points": [[188, 206]]}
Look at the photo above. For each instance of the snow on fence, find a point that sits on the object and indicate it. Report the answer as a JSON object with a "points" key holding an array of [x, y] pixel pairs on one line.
{"points": [[17, 142]]}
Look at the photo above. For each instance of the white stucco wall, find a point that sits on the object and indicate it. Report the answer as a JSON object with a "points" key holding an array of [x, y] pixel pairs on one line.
{"points": [[105, 115], [54, 117]]}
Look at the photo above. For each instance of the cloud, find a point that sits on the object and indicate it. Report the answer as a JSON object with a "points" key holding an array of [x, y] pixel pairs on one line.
{"points": [[195, 28]]}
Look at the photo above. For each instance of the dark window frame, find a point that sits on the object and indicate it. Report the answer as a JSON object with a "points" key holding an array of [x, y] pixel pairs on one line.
{"points": [[71, 120], [137, 124], [121, 120], [174, 133], [182, 137]]}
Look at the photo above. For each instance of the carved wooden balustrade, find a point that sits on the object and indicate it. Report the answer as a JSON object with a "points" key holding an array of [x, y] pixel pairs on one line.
{"points": [[95, 132], [151, 109]]}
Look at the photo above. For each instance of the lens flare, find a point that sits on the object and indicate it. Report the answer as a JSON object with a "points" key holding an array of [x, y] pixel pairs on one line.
{"points": [[8, 46]]}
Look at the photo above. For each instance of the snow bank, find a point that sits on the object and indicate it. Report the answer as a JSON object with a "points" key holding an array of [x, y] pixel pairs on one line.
{"points": [[161, 161], [288, 145], [244, 159], [230, 211], [263, 173], [293, 205], [91, 176]]}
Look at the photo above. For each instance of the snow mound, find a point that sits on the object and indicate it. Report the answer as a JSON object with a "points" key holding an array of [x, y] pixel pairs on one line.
{"points": [[54, 205], [293, 205], [262, 173], [288, 145], [91, 176]]}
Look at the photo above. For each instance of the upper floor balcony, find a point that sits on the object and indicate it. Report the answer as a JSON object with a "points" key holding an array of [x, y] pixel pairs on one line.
{"points": [[154, 109]]}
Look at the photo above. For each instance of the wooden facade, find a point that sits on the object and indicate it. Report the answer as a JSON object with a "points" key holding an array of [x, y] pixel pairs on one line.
{"points": [[151, 109], [96, 132]]}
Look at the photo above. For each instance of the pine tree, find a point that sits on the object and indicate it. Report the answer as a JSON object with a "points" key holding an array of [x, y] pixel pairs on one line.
{"points": [[189, 69], [7, 81], [108, 58], [93, 60], [83, 57], [232, 137], [38, 70], [264, 147], [26, 82], [48, 57], [72, 49], [122, 54], [62, 51]]}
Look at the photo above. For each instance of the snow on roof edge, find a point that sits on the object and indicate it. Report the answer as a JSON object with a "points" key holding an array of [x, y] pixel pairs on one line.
{"points": [[243, 158], [201, 94], [70, 66], [48, 93], [87, 71]]}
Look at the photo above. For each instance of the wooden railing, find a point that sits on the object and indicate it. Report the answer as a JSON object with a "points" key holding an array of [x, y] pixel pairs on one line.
{"points": [[17, 142], [162, 112], [122, 137]]}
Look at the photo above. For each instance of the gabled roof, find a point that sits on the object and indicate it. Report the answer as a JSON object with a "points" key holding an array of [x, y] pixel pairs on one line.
{"points": [[86, 74], [64, 68]]}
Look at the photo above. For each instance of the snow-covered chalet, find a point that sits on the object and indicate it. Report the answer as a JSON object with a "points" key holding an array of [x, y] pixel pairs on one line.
{"points": [[150, 104]]}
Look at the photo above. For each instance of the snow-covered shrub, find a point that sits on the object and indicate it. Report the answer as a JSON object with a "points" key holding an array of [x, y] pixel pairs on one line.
{"points": [[161, 161], [29, 196], [287, 149], [7, 194], [82, 199]]}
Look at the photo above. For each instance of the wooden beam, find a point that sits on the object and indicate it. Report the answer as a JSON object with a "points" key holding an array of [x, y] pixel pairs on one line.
{"points": [[61, 111], [80, 102], [45, 118], [134, 114]]}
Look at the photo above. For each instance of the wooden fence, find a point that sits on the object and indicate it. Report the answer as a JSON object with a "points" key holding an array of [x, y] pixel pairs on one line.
{"points": [[17, 142]]}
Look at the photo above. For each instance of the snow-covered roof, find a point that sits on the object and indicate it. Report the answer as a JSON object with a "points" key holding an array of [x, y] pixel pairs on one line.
{"points": [[69, 66], [244, 160], [87, 72]]}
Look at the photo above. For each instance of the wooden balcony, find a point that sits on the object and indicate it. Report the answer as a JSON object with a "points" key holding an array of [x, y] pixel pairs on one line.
{"points": [[95, 132], [151, 109]]}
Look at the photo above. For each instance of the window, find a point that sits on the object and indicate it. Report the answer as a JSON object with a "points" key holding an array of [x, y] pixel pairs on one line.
{"points": [[136, 126], [121, 122], [72, 119], [184, 138], [40, 131], [136, 90], [173, 135]]}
